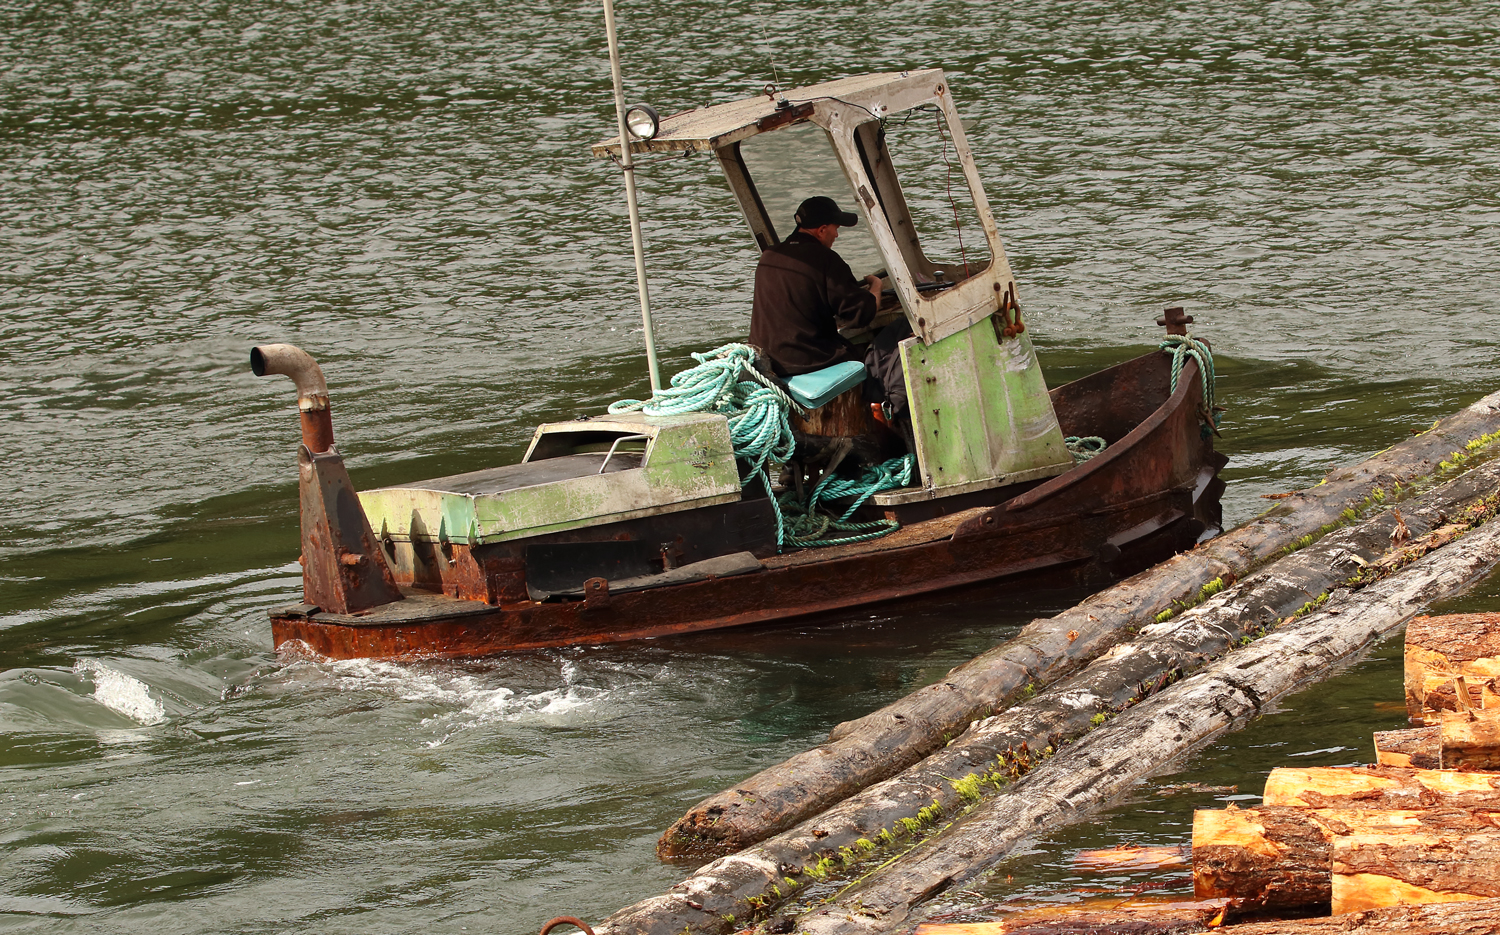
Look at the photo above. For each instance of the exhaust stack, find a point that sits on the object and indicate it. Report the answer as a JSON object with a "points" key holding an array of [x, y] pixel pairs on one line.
{"points": [[343, 569]]}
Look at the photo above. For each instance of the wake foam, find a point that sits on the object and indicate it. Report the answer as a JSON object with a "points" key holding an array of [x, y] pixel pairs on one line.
{"points": [[121, 693], [472, 700]]}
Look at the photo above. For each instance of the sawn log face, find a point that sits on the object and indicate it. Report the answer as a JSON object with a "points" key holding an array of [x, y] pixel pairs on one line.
{"points": [[1440, 648], [1418, 748], [1270, 858], [1380, 787], [1446, 855], [1470, 739]]}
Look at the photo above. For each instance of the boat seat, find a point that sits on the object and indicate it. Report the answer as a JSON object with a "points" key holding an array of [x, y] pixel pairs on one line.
{"points": [[812, 390]]}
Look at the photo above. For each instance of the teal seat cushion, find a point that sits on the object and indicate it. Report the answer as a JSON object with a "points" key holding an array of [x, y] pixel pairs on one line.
{"points": [[812, 390]]}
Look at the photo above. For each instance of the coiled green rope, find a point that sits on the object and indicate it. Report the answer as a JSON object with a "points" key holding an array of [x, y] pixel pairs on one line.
{"points": [[1182, 347], [1084, 447], [725, 381], [809, 529]]}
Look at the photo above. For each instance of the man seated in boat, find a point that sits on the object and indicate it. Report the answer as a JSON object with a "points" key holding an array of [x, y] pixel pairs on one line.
{"points": [[805, 293]]}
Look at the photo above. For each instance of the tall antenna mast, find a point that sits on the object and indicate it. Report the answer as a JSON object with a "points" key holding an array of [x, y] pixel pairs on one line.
{"points": [[628, 165]]}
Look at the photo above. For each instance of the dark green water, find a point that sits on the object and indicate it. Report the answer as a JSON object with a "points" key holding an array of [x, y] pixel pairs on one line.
{"points": [[404, 190]]}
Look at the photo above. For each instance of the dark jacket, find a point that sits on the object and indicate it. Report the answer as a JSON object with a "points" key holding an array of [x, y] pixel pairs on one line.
{"points": [[804, 293]]}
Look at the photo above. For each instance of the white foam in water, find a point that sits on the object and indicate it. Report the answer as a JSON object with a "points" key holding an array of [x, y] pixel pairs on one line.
{"points": [[473, 702], [121, 693]]}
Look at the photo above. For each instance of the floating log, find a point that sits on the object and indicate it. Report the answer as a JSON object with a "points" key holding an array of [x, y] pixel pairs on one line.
{"points": [[1071, 921], [867, 750], [1428, 856], [1107, 762], [1000, 748], [1470, 739], [1477, 917], [1380, 787], [1270, 858], [1133, 857], [1419, 747], [1440, 648]]}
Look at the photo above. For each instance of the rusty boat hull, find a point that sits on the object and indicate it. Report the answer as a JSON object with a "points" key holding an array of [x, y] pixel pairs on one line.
{"points": [[1153, 491]]}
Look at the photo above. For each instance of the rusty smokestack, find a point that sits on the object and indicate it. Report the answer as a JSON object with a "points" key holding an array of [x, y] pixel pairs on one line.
{"points": [[343, 568], [312, 390]]}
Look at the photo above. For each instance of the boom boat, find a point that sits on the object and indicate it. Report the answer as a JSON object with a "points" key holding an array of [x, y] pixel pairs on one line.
{"points": [[628, 526]]}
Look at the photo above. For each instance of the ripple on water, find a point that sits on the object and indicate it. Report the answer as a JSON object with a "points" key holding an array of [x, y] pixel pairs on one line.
{"points": [[404, 189]]}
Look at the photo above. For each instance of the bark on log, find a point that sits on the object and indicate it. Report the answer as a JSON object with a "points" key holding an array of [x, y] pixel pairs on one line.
{"points": [[1464, 918], [1440, 648], [1271, 858], [1470, 739], [1435, 856], [1479, 917], [1109, 761], [1418, 748], [1288, 858], [1380, 787], [950, 778], [1094, 922], [867, 750]]}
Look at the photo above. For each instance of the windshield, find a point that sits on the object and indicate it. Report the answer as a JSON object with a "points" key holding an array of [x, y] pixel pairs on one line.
{"points": [[936, 192], [796, 163]]}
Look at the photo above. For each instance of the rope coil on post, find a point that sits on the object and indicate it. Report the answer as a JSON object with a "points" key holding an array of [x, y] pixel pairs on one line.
{"points": [[726, 382], [1182, 347], [1084, 447]]}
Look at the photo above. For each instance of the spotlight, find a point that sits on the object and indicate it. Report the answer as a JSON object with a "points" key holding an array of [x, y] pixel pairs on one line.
{"points": [[643, 121]]}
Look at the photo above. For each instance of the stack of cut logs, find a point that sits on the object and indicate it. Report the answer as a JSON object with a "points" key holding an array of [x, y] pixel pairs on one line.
{"points": [[1410, 846], [1422, 826]]}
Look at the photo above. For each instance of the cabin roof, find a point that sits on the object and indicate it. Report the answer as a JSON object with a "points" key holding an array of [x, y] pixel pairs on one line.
{"points": [[708, 128]]}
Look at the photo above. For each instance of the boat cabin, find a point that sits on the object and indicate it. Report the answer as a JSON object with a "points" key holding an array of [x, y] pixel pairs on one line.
{"points": [[981, 416]]}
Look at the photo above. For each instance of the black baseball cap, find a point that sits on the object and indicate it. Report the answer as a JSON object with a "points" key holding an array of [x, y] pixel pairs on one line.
{"points": [[820, 210]]}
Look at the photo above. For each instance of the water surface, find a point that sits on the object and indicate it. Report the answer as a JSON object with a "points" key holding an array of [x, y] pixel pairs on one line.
{"points": [[404, 189]]}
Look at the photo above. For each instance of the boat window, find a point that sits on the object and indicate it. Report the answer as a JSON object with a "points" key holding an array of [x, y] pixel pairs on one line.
{"points": [[560, 444], [796, 163], [937, 192]]}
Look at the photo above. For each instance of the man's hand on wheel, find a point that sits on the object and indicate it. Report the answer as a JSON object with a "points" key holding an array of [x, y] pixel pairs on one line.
{"points": [[872, 282]]}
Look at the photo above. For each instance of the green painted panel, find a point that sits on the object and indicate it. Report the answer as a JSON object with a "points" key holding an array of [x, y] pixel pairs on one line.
{"points": [[980, 410], [689, 462]]}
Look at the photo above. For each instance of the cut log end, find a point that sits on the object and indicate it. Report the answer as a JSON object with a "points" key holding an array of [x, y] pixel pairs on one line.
{"points": [[1418, 748], [1470, 739], [1438, 649], [1380, 787]]}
